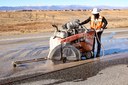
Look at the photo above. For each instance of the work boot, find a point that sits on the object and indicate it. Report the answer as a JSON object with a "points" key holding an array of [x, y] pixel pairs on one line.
{"points": [[98, 55]]}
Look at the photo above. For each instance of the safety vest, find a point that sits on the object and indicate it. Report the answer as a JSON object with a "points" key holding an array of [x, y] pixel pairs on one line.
{"points": [[96, 23]]}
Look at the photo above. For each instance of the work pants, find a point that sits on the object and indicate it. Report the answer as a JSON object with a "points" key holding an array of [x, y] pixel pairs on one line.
{"points": [[98, 40]]}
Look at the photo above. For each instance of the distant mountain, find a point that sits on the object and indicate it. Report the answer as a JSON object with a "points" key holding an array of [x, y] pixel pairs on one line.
{"points": [[56, 7], [75, 7], [111, 7]]}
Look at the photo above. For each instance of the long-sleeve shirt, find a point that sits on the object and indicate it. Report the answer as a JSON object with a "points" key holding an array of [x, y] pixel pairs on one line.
{"points": [[89, 19]]}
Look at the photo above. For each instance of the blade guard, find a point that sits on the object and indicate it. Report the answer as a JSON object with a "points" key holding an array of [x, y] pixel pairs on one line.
{"points": [[57, 50]]}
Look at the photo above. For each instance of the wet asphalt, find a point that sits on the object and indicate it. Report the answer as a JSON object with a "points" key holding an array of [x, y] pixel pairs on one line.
{"points": [[74, 74]]}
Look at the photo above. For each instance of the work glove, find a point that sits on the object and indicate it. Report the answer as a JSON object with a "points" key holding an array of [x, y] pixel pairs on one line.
{"points": [[100, 30]]}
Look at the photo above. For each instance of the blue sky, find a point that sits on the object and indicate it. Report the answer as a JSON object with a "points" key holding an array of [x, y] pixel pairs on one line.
{"points": [[122, 3]]}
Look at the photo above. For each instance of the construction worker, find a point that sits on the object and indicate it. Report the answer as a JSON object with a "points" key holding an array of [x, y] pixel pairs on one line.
{"points": [[98, 23]]}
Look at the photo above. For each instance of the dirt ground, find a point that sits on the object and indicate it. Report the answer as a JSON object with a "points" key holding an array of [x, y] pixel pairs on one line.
{"points": [[20, 22]]}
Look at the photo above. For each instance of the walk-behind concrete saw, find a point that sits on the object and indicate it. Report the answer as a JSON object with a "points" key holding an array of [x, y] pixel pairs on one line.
{"points": [[70, 43]]}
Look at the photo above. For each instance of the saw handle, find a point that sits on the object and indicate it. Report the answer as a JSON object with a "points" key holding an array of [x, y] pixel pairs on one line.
{"points": [[55, 27]]}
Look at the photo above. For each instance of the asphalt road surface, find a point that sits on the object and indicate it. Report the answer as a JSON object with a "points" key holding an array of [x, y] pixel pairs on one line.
{"points": [[102, 72]]}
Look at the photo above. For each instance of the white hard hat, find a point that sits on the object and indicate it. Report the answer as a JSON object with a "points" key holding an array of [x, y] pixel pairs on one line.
{"points": [[95, 11]]}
